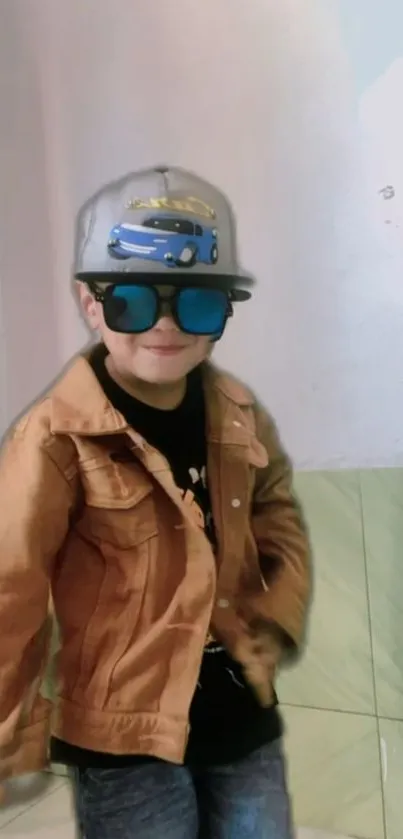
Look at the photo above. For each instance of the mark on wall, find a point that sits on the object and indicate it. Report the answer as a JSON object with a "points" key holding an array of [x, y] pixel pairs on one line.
{"points": [[387, 192]]}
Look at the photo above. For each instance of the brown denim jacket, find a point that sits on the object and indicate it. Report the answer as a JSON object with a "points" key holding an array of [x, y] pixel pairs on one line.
{"points": [[90, 512]]}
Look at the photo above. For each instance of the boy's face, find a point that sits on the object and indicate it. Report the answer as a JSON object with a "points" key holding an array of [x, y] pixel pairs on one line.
{"points": [[162, 355]]}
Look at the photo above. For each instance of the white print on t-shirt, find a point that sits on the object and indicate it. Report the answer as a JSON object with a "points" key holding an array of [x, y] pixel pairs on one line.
{"points": [[197, 476], [232, 675], [213, 650], [205, 522], [234, 679]]}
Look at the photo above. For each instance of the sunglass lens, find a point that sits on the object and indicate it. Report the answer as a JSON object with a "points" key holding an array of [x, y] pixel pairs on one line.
{"points": [[202, 311], [131, 308]]}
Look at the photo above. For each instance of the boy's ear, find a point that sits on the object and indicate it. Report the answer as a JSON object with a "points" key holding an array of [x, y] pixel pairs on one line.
{"points": [[88, 304]]}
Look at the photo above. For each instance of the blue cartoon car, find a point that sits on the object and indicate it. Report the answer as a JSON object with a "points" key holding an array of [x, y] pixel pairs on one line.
{"points": [[175, 242]]}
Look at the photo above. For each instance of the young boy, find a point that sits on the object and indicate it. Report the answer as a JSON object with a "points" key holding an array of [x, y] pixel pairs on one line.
{"points": [[149, 494]]}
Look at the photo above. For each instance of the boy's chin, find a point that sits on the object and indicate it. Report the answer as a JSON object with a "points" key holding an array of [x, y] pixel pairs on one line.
{"points": [[164, 371], [161, 376]]}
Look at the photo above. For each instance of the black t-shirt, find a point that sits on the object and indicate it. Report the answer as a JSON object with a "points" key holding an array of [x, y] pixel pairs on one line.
{"points": [[226, 720]]}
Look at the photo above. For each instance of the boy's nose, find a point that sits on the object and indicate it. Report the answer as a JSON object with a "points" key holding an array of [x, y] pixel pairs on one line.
{"points": [[166, 322]]}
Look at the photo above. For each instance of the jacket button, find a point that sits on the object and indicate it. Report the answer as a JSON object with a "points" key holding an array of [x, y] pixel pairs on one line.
{"points": [[236, 503], [223, 603]]}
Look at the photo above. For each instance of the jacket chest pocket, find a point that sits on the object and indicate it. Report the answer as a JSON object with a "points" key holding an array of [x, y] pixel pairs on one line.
{"points": [[119, 503]]}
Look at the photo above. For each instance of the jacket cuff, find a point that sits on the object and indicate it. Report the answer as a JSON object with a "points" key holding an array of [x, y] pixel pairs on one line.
{"points": [[285, 619]]}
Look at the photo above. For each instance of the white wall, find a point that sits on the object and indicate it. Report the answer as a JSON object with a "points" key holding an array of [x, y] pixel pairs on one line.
{"points": [[262, 98], [29, 351]]}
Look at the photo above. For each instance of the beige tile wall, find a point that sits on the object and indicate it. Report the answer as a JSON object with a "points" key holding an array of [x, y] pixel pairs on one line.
{"points": [[336, 672], [335, 771], [343, 703], [382, 497]]}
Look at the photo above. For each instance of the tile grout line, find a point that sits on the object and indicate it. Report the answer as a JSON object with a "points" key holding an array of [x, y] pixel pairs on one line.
{"points": [[346, 711], [31, 806], [371, 644]]}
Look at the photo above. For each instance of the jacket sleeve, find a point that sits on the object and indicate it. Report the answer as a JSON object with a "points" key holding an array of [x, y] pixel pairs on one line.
{"points": [[36, 500], [283, 543]]}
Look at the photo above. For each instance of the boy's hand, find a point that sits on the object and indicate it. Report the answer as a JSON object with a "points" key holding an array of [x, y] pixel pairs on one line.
{"points": [[268, 648], [265, 649]]}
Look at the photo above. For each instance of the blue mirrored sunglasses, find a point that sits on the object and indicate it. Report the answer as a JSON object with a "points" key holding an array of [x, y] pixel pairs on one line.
{"points": [[137, 308]]}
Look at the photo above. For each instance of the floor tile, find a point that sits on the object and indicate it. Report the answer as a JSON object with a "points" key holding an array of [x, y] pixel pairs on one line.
{"points": [[24, 793], [391, 732], [50, 818], [336, 670], [382, 499], [335, 773], [308, 833]]}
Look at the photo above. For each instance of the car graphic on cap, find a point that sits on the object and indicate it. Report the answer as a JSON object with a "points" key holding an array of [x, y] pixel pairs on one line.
{"points": [[178, 243]]}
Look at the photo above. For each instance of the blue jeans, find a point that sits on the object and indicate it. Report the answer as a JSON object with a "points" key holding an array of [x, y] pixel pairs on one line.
{"points": [[247, 799]]}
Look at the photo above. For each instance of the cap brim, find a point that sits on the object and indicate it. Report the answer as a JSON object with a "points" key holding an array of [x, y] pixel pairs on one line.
{"points": [[237, 285]]}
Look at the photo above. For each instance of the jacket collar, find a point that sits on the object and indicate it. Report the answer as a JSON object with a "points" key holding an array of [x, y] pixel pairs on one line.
{"points": [[78, 404]]}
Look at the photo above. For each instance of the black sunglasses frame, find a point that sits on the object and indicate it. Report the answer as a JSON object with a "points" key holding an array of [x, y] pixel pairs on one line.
{"points": [[163, 302]]}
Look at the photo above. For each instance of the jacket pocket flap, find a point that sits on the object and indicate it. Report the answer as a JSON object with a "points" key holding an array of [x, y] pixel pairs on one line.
{"points": [[111, 485], [257, 454]]}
